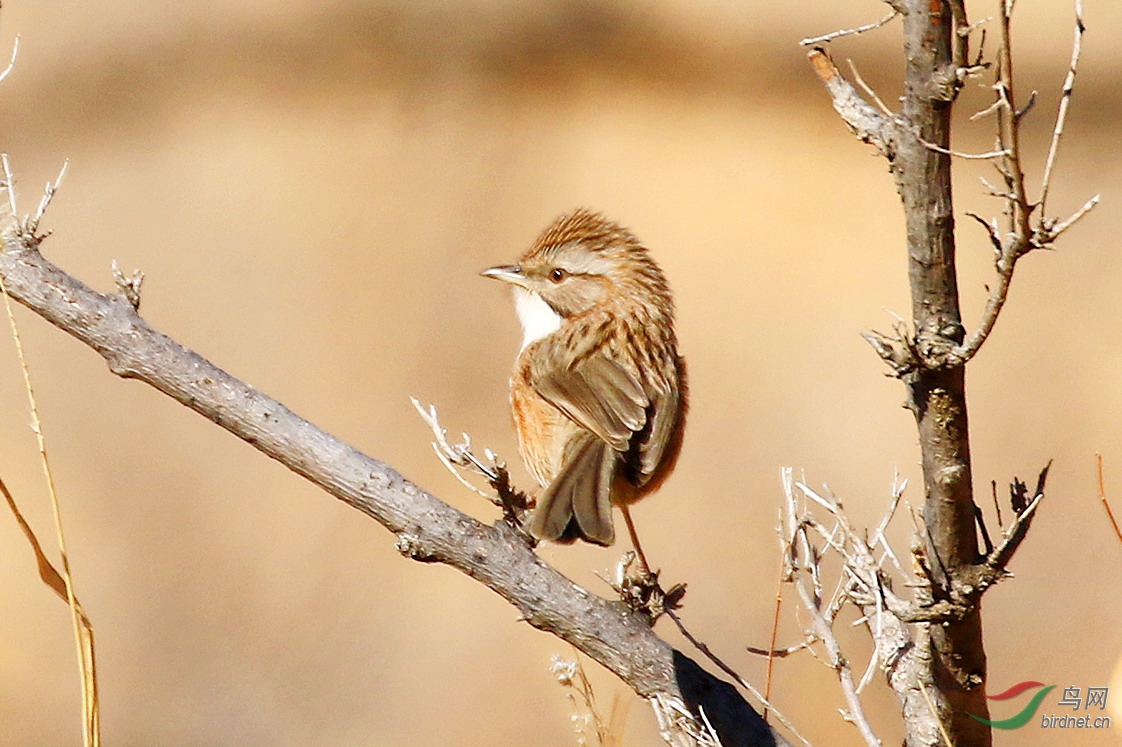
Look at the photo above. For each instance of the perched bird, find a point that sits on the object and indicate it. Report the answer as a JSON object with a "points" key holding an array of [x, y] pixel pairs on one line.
{"points": [[599, 392]]}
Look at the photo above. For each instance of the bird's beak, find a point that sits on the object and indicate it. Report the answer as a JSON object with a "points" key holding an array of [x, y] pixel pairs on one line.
{"points": [[507, 273]]}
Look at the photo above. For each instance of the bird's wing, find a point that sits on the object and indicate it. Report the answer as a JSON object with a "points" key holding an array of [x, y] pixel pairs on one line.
{"points": [[599, 394], [667, 409]]}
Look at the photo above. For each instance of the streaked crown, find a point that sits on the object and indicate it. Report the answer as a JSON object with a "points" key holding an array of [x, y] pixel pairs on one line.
{"points": [[583, 260]]}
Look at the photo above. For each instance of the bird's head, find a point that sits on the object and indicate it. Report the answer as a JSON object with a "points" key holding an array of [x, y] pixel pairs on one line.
{"points": [[580, 263]]}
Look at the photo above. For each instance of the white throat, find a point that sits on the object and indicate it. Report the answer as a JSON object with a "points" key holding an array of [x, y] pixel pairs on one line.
{"points": [[538, 319]]}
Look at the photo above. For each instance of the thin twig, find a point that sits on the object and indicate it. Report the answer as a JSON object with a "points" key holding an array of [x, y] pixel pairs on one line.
{"points": [[959, 154], [11, 61], [935, 716], [708, 653], [1065, 101], [781, 653], [48, 194], [821, 625], [995, 302], [879, 537], [703, 648], [9, 184], [91, 729], [1105, 502], [1063, 225], [868, 89], [997, 505], [774, 633], [994, 107], [456, 457], [848, 32]]}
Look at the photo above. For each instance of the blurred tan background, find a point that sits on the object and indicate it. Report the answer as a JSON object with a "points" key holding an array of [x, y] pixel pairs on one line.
{"points": [[311, 189]]}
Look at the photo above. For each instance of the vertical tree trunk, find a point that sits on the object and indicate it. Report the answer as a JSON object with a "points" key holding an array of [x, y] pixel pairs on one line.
{"points": [[957, 662]]}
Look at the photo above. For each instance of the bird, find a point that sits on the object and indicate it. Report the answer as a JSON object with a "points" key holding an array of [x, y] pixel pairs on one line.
{"points": [[599, 392]]}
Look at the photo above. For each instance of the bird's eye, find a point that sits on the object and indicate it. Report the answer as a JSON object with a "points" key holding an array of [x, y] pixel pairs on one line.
{"points": [[557, 274]]}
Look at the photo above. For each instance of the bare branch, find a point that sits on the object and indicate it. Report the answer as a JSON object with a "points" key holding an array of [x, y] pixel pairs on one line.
{"points": [[48, 195], [1010, 136], [868, 89], [944, 661], [1022, 236], [28, 226], [990, 155], [1051, 232], [821, 624], [11, 61], [427, 529], [782, 653], [457, 457], [848, 32], [864, 119], [995, 301], [9, 185], [1102, 498], [1065, 101]]}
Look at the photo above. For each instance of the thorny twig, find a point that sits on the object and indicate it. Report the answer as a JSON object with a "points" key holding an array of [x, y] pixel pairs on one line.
{"points": [[865, 584], [28, 226], [1024, 234], [457, 457], [1028, 226], [822, 621]]}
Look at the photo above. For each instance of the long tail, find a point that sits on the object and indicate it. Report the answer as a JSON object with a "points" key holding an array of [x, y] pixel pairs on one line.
{"points": [[578, 503]]}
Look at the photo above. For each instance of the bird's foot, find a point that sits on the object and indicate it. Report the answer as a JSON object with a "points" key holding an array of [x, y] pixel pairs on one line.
{"points": [[639, 588]]}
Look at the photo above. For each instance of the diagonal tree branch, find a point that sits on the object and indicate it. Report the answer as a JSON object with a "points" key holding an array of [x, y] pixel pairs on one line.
{"points": [[866, 121], [427, 529]]}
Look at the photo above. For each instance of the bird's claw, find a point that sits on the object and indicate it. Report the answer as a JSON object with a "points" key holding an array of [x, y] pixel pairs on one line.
{"points": [[638, 587]]}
